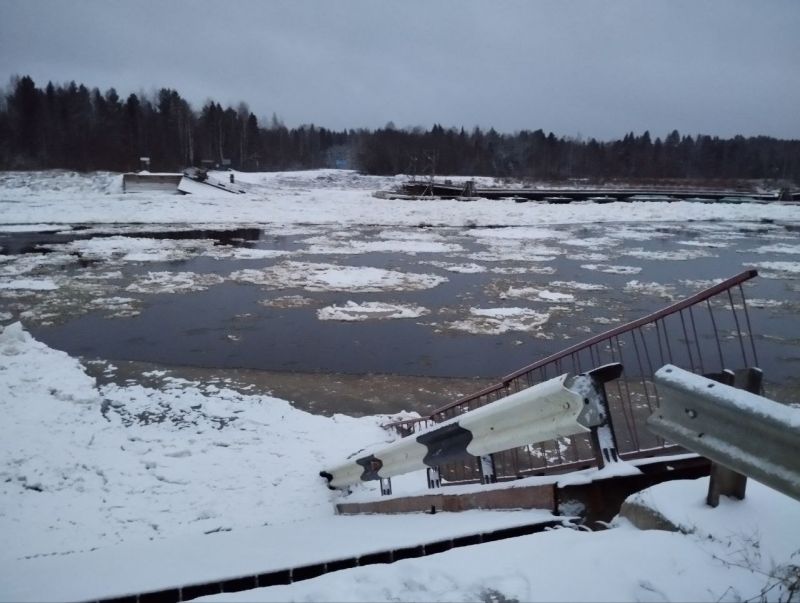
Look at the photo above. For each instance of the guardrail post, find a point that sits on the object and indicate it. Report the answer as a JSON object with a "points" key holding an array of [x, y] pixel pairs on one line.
{"points": [[386, 486], [722, 480], [488, 472], [434, 478], [603, 437]]}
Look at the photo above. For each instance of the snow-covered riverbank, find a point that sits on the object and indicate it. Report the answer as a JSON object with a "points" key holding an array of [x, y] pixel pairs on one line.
{"points": [[319, 197], [115, 477]]}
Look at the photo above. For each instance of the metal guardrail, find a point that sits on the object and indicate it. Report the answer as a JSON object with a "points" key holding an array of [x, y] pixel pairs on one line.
{"points": [[707, 332], [562, 406], [746, 433]]}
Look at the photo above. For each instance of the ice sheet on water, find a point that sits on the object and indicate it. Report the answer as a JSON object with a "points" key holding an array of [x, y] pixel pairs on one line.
{"points": [[331, 277], [537, 294], [470, 268], [494, 321], [352, 311], [644, 288], [173, 282], [679, 255], [612, 269]]}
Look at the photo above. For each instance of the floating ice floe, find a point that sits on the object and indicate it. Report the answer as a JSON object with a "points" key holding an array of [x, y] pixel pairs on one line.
{"points": [[611, 269], [34, 227], [515, 233], [221, 252], [287, 301], [777, 248], [411, 235], [459, 268], [578, 286], [330, 277], [135, 249], [683, 254], [708, 242], [496, 321], [588, 257], [537, 294], [30, 284], [776, 269], [352, 311], [663, 291], [513, 255], [354, 247], [17, 265], [640, 233], [593, 242], [700, 283], [173, 282], [529, 269], [117, 307]]}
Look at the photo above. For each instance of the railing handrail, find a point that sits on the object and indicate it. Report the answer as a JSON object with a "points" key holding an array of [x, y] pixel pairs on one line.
{"points": [[639, 322], [650, 318]]}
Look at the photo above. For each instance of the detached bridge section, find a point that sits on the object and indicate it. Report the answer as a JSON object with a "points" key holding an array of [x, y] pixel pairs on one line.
{"points": [[600, 195]]}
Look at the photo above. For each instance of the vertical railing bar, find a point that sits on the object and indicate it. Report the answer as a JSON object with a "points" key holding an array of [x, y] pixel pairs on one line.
{"points": [[628, 392], [696, 341], [544, 454], [660, 350], [688, 342], [650, 366], [626, 405], [641, 370], [716, 335], [749, 326], [558, 451], [666, 340], [738, 328]]}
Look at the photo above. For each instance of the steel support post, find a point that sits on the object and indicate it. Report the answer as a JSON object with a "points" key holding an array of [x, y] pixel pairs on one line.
{"points": [[488, 472], [434, 478], [722, 480], [603, 437]]}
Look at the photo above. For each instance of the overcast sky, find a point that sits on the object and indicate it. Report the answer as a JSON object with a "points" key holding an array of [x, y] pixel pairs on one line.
{"points": [[594, 68]]}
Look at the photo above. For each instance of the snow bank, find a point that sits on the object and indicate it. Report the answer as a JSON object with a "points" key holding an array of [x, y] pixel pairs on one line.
{"points": [[84, 467], [733, 553]]}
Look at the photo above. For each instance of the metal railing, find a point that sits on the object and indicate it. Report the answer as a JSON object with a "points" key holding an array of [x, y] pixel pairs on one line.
{"points": [[705, 333]]}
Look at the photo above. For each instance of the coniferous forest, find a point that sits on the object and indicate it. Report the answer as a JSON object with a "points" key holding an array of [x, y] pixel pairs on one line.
{"points": [[74, 127]]}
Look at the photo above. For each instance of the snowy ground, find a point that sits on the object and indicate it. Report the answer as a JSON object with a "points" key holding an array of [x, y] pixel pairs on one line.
{"points": [[86, 468], [92, 485]]}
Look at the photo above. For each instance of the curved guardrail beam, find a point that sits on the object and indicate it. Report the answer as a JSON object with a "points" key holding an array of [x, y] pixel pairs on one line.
{"points": [[563, 406]]}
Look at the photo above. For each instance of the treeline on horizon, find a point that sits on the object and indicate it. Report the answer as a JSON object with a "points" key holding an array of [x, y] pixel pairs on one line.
{"points": [[73, 127]]}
